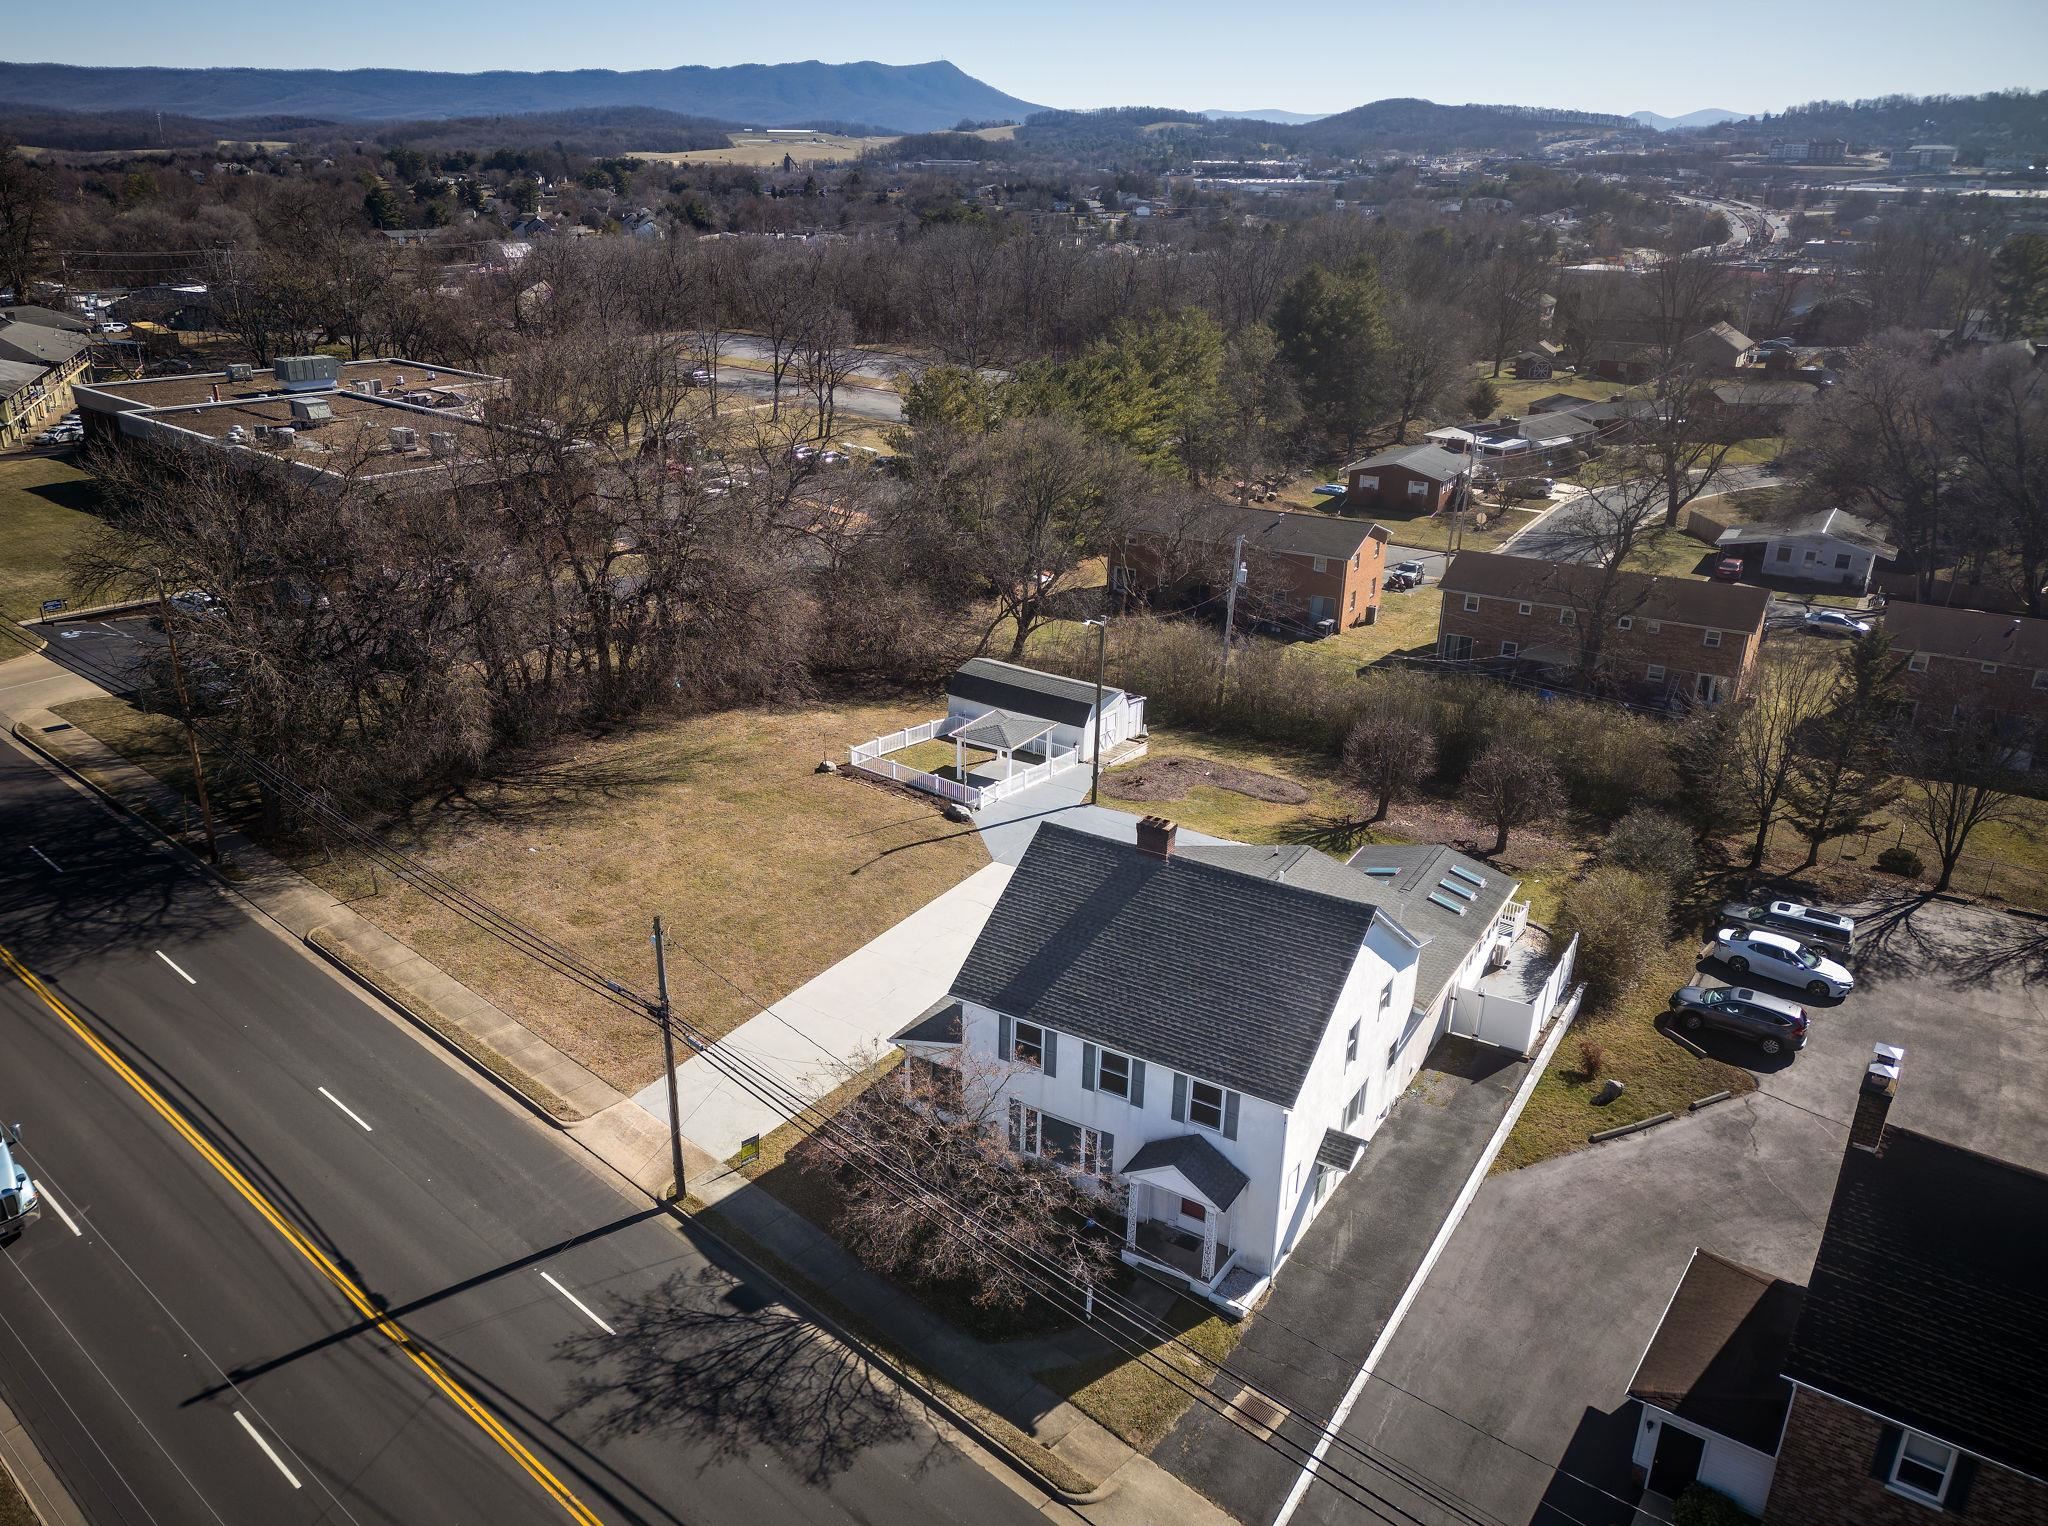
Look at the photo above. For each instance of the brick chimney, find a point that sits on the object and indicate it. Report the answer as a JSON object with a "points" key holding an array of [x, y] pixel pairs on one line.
{"points": [[1156, 835], [1874, 1101]]}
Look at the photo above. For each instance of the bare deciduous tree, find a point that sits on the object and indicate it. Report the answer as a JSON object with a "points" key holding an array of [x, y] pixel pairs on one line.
{"points": [[1389, 754], [1512, 787], [1787, 695]]}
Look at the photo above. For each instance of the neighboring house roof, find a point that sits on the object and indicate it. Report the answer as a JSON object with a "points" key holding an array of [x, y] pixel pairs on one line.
{"points": [[1027, 691], [1431, 461], [1762, 394], [1004, 730], [1718, 1357], [939, 1023], [45, 317], [1225, 976], [1972, 634], [1722, 336], [46, 346], [1284, 532], [1339, 1150], [1840, 524], [1553, 426], [1208, 1171], [1687, 601], [1614, 410], [15, 375], [1925, 1302]]}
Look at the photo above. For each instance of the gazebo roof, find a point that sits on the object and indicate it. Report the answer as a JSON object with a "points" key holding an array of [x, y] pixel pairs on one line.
{"points": [[1002, 730]]}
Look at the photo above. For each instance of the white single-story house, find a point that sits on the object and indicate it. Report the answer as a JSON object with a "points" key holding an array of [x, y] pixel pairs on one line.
{"points": [[1210, 1035], [1711, 1383], [1826, 546], [984, 685]]}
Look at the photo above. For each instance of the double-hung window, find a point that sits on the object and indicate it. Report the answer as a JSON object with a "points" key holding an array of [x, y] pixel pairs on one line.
{"points": [[1471, 603], [1924, 1468], [1351, 1045], [1023, 1128], [1113, 1073], [1205, 1105], [1355, 1107], [1027, 1044], [1712, 638]]}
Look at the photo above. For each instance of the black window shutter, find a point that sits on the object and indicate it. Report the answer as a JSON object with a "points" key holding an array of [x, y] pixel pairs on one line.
{"points": [[1137, 1083], [1180, 1097], [1087, 1067], [1958, 1482], [1051, 1062], [1887, 1452], [1230, 1115], [1002, 1035]]}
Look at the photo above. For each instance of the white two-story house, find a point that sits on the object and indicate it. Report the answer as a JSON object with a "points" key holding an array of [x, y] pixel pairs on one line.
{"points": [[1212, 1045]]}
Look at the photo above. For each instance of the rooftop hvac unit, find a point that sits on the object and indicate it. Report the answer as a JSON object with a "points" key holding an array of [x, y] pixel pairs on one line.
{"points": [[240, 372], [308, 373], [374, 387], [311, 411], [263, 431], [359, 386], [441, 443], [283, 435], [236, 434], [404, 437]]}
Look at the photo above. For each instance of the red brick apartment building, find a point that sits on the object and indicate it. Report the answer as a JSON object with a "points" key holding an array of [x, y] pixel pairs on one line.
{"points": [[1301, 568], [1957, 658], [1409, 479], [1670, 636]]}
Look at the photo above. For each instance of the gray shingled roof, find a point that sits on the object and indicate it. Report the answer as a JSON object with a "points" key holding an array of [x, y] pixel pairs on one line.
{"points": [[1205, 1167], [1431, 461], [1339, 1150], [1839, 523], [940, 1023], [1027, 691], [1004, 730], [1717, 1357], [1222, 975], [33, 343]]}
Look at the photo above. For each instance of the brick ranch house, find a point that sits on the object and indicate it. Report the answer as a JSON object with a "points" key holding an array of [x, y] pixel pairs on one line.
{"points": [[1409, 479], [1968, 657], [1301, 568], [1903, 1384], [1672, 637]]}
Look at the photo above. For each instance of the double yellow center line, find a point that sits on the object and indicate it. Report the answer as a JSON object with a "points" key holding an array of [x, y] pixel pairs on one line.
{"points": [[427, 1363]]}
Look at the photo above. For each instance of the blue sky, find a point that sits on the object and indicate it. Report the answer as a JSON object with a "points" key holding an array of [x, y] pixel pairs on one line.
{"points": [[1304, 55]]}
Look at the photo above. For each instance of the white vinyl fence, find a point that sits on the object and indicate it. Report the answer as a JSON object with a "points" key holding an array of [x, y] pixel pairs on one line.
{"points": [[872, 758]]}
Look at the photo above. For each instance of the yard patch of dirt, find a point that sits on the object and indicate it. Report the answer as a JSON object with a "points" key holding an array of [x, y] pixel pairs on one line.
{"points": [[1171, 778]]}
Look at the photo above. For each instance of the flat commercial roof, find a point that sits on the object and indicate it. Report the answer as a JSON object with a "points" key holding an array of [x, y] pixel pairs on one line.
{"points": [[356, 440], [390, 374]]}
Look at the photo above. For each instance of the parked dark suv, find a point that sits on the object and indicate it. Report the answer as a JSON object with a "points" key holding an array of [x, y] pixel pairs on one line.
{"points": [[1772, 1023]]}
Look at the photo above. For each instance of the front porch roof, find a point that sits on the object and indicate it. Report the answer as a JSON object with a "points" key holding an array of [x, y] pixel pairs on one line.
{"points": [[937, 1024], [1195, 1161], [1002, 731], [1339, 1150]]}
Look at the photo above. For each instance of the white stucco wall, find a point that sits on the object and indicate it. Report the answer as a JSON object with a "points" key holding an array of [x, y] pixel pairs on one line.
{"points": [[1742, 1473]]}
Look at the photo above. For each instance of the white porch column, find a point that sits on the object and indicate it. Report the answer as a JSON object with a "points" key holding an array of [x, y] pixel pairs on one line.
{"points": [[1009, 765], [959, 760], [1209, 1246], [1131, 1214]]}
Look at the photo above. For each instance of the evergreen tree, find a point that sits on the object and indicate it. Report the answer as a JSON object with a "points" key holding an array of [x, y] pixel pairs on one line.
{"points": [[1332, 330]]}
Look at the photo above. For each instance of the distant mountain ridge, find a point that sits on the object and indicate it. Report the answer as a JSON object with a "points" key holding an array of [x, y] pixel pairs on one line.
{"points": [[1284, 118], [1408, 123], [902, 97], [1711, 116]]}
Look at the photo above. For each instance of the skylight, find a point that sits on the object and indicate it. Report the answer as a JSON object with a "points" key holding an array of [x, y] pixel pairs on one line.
{"points": [[1448, 905], [1468, 876], [1461, 891], [1385, 874]]}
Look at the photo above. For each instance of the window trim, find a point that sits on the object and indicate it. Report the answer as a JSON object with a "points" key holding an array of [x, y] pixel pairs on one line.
{"points": [[1654, 673], [1511, 649], [1351, 1042], [1222, 1104], [1987, 667], [1016, 1054], [1471, 603], [1625, 622], [1319, 563], [1914, 1491], [1101, 1076], [1916, 662], [1712, 638], [1524, 607]]}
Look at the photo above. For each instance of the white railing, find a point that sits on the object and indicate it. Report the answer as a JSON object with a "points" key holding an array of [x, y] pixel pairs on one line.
{"points": [[871, 758], [896, 741]]}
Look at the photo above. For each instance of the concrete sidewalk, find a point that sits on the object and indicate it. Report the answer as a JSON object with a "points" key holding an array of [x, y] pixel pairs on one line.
{"points": [[838, 1020]]}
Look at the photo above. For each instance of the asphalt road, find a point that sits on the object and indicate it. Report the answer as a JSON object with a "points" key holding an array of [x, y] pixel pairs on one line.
{"points": [[174, 1345], [1558, 537]]}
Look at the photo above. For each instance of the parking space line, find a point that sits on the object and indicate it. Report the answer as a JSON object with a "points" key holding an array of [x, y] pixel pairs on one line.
{"points": [[353, 1115], [268, 1450], [589, 1312], [39, 853], [167, 959]]}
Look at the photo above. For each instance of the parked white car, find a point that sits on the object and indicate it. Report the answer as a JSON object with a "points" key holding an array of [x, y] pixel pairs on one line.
{"points": [[20, 1204], [1832, 622], [1776, 956]]}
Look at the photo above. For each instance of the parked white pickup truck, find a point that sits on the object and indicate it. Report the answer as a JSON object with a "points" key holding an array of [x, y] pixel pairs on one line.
{"points": [[20, 1204]]}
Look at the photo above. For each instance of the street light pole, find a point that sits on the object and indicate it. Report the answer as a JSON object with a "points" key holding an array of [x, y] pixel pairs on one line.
{"points": [[1101, 656], [668, 1058], [163, 605]]}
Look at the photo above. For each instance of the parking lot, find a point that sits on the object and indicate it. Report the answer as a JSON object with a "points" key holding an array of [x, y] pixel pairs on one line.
{"points": [[1529, 1329]]}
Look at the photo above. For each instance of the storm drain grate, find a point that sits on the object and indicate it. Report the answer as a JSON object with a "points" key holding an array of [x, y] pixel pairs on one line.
{"points": [[1258, 1414]]}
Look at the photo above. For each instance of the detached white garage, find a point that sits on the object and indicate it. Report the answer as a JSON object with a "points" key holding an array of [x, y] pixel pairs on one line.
{"points": [[984, 685]]}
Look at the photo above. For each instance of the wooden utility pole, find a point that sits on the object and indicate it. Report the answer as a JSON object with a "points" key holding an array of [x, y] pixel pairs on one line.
{"points": [[1230, 611], [668, 1058], [163, 605]]}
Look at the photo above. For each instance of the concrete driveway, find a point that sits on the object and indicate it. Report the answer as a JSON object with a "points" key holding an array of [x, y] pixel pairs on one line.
{"points": [[1008, 825], [1527, 1333]]}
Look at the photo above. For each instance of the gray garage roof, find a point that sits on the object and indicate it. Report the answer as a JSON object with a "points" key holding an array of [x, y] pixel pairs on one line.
{"points": [[1225, 976], [1027, 691], [1205, 1167], [1003, 730]]}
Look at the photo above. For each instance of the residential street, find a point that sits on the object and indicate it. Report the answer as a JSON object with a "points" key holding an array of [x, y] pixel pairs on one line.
{"points": [[183, 1333], [1555, 537]]}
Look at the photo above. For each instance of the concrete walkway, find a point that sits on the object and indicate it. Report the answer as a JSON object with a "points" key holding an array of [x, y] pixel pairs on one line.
{"points": [[1008, 825], [841, 1018]]}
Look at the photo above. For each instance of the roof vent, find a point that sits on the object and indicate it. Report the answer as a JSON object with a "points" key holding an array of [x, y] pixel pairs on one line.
{"points": [[283, 435], [241, 372], [404, 437], [441, 443], [311, 411]]}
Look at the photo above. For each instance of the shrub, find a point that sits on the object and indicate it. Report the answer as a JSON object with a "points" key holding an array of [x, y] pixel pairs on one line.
{"points": [[1592, 1058], [1901, 860], [1651, 842], [1701, 1506], [1482, 399], [1622, 920]]}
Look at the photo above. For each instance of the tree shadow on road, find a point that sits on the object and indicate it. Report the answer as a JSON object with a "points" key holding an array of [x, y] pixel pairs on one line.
{"points": [[702, 1355]]}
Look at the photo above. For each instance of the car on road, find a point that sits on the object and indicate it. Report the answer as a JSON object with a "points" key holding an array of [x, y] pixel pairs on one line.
{"points": [[1833, 622], [1531, 487], [1405, 575], [1728, 570], [1330, 490], [20, 1204], [1810, 924], [1772, 1023], [1783, 958]]}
